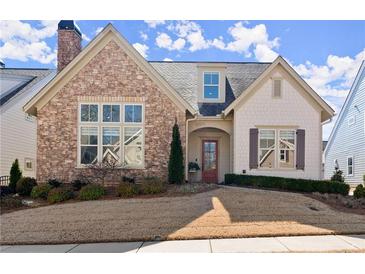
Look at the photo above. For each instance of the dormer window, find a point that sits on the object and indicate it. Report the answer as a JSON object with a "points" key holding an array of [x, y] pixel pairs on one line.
{"points": [[211, 85]]}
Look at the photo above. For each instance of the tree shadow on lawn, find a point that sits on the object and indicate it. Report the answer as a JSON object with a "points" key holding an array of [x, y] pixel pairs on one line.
{"points": [[221, 213]]}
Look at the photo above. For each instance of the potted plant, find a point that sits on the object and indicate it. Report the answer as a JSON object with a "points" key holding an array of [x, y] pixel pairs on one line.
{"points": [[193, 167]]}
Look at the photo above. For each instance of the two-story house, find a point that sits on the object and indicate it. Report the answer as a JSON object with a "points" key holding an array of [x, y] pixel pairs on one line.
{"points": [[108, 101]]}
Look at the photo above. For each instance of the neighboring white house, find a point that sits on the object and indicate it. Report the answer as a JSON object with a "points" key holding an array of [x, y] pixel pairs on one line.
{"points": [[18, 129], [346, 144]]}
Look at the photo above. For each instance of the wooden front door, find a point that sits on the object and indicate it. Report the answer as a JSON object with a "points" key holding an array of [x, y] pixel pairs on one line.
{"points": [[210, 161]]}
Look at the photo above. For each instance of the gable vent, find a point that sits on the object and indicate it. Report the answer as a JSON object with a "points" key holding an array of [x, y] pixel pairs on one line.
{"points": [[277, 88]]}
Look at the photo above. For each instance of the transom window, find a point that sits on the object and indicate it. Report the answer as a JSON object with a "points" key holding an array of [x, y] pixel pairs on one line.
{"points": [[350, 166], [109, 138], [276, 148], [211, 85]]}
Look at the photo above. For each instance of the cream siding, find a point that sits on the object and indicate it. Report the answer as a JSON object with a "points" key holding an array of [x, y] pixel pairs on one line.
{"points": [[18, 133], [295, 109]]}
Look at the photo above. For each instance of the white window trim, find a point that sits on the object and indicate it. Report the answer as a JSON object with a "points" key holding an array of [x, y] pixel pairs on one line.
{"points": [[276, 166], [100, 124], [347, 166], [25, 164], [219, 89], [273, 87]]}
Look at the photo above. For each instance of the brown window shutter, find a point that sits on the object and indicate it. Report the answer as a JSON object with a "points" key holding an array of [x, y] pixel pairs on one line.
{"points": [[300, 149], [254, 137]]}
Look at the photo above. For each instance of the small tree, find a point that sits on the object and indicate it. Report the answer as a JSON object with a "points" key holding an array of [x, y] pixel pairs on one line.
{"points": [[176, 161], [101, 170], [337, 176], [15, 175]]}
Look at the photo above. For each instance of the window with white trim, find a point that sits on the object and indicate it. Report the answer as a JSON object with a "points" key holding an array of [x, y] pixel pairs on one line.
{"points": [[286, 144], [105, 136], [211, 85], [28, 164], [267, 148], [276, 148], [350, 166]]}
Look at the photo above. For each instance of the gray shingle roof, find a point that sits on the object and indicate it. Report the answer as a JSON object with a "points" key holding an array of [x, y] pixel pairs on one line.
{"points": [[183, 77], [31, 77]]}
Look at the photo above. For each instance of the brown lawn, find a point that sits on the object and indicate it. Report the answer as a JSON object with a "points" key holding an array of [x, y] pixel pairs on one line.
{"points": [[220, 213]]}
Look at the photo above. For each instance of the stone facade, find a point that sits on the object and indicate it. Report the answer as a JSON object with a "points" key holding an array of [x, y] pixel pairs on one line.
{"points": [[111, 73], [69, 46]]}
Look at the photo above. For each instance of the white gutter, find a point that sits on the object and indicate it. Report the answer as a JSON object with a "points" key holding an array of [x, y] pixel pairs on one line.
{"points": [[186, 144]]}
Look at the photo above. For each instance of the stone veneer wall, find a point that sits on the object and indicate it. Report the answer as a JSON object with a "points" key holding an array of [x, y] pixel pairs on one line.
{"points": [[69, 46], [111, 73]]}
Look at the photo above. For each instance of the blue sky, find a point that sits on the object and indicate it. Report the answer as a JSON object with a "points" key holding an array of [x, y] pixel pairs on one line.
{"points": [[327, 54]]}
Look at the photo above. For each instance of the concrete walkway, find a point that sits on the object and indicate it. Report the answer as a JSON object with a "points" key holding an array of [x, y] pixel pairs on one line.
{"points": [[349, 243]]}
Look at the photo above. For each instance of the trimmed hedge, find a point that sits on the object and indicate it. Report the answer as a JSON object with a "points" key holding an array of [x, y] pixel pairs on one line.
{"points": [[91, 192], [301, 185], [359, 192], [40, 191], [151, 185], [25, 185], [127, 190], [60, 194]]}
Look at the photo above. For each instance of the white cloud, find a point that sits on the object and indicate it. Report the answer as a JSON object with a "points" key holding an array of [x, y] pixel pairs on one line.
{"points": [[98, 30], [264, 53], [244, 38], [167, 60], [143, 35], [85, 37], [141, 48], [163, 40], [154, 23], [24, 42]]}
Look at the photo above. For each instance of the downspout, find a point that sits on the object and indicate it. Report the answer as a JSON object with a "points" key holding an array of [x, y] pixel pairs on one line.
{"points": [[187, 144]]}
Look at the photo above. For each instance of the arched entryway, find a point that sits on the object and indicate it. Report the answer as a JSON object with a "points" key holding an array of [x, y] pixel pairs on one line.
{"points": [[210, 148]]}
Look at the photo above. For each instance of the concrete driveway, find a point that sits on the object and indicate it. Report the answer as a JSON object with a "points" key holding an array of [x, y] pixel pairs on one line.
{"points": [[220, 213]]}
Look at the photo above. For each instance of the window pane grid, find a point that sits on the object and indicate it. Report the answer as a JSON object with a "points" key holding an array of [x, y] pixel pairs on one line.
{"points": [[118, 142], [211, 85]]}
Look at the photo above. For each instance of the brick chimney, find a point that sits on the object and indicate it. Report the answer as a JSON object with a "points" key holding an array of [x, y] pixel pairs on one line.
{"points": [[69, 43]]}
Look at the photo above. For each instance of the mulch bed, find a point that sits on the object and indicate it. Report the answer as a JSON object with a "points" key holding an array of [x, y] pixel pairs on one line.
{"points": [[172, 191], [347, 204]]}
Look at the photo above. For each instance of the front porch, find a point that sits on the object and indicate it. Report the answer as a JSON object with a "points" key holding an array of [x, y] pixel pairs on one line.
{"points": [[210, 146]]}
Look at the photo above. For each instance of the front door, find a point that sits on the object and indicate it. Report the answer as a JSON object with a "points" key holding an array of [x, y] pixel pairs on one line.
{"points": [[210, 161]]}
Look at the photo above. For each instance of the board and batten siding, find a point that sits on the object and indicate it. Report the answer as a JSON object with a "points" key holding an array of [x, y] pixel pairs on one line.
{"points": [[18, 134], [349, 140], [293, 110]]}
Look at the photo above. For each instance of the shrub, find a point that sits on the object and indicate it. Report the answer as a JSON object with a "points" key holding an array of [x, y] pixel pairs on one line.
{"points": [[151, 185], [5, 190], [291, 184], [40, 191], [15, 175], [337, 176], [78, 184], [60, 194], [54, 183], [10, 202], [126, 190], [91, 192], [176, 164], [359, 192], [25, 185]]}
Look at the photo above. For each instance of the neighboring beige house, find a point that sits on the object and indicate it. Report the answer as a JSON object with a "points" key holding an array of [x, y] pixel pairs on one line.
{"points": [[108, 101], [18, 130]]}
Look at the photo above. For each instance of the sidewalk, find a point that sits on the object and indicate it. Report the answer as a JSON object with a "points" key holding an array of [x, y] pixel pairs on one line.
{"points": [[348, 243]]}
